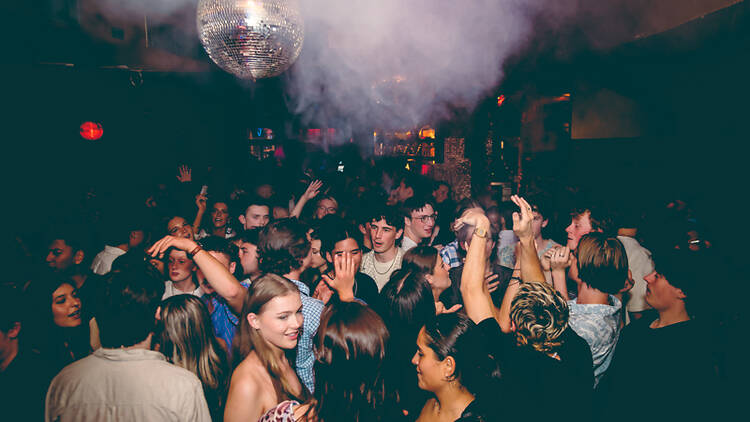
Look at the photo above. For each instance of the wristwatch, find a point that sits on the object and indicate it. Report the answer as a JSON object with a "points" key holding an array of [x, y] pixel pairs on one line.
{"points": [[480, 232]]}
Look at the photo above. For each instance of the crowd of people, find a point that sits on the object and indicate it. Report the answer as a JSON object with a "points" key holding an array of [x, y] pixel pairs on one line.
{"points": [[371, 296]]}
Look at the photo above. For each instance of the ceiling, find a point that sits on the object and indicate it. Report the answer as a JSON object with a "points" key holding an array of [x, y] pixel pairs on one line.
{"points": [[90, 33]]}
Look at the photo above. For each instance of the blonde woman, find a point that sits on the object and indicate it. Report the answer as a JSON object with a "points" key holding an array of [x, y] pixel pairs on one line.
{"points": [[188, 341], [270, 326]]}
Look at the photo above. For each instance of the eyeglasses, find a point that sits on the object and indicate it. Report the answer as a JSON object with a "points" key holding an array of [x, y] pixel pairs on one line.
{"points": [[329, 210], [425, 218]]}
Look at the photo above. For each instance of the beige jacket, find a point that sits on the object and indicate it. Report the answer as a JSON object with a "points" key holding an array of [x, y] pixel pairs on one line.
{"points": [[125, 385]]}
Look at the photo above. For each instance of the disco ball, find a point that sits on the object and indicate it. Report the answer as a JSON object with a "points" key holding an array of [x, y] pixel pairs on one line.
{"points": [[251, 38]]}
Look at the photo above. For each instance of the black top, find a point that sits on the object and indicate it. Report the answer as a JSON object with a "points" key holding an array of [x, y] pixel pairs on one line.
{"points": [[452, 295], [23, 387], [365, 288], [672, 366], [537, 386]]}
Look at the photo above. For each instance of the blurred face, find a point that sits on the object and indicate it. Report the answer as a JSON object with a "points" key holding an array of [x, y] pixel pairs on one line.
{"points": [[496, 221], [180, 266], [347, 245], [280, 321], [422, 222], [439, 279], [537, 224], [178, 227], [316, 259], [248, 254], [430, 370], [256, 216], [264, 191], [59, 255], [659, 293], [403, 192], [280, 212], [440, 194], [66, 307], [579, 226], [225, 261], [135, 239], [326, 206], [220, 215], [383, 236], [158, 264]]}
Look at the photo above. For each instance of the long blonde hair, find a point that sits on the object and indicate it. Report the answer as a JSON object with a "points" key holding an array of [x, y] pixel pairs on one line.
{"points": [[188, 340], [262, 291]]}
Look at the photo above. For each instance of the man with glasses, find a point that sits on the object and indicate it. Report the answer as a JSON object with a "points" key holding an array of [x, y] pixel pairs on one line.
{"points": [[419, 221]]}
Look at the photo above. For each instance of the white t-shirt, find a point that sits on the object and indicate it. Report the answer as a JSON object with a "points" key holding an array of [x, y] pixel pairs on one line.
{"points": [[640, 265], [102, 262], [170, 290], [407, 244]]}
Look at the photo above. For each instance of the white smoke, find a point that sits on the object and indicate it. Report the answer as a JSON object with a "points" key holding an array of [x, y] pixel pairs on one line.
{"points": [[402, 63], [398, 63]]}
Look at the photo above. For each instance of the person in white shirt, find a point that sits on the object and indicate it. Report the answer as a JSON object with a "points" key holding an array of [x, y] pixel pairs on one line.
{"points": [[182, 278], [640, 264], [419, 221], [386, 227], [125, 380], [121, 240]]}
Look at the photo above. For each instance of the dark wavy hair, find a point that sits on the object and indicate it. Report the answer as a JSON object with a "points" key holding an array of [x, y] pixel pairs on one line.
{"points": [[282, 246], [350, 352], [455, 335]]}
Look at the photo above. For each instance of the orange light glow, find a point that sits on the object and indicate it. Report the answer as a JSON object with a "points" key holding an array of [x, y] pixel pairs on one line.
{"points": [[427, 132], [500, 100]]}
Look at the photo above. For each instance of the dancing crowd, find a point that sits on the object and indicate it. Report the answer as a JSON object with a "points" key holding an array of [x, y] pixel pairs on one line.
{"points": [[369, 296]]}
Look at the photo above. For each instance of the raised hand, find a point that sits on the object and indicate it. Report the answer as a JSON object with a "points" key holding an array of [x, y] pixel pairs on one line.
{"points": [[472, 217], [440, 308], [185, 174], [167, 242], [200, 201], [492, 283], [546, 259], [312, 190], [343, 281], [323, 292], [522, 221], [561, 258]]}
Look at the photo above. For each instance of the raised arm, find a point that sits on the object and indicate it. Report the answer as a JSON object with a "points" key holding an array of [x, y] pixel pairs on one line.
{"points": [[531, 267], [200, 202], [310, 193], [476, 296], [528, 267], [217, 275]]}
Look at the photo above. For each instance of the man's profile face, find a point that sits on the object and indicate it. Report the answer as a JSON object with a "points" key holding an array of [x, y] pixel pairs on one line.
{"points": [[579, 226], [248, 254], [59, 255], [383, 236], [255, 216]]}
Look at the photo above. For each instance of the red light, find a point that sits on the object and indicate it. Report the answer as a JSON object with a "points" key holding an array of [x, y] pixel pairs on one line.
{"points": [[500, 100], [91, 131], [425, 170]]}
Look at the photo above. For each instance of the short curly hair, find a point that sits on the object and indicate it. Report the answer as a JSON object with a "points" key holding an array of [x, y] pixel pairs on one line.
{"points": [[540, 315]]}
